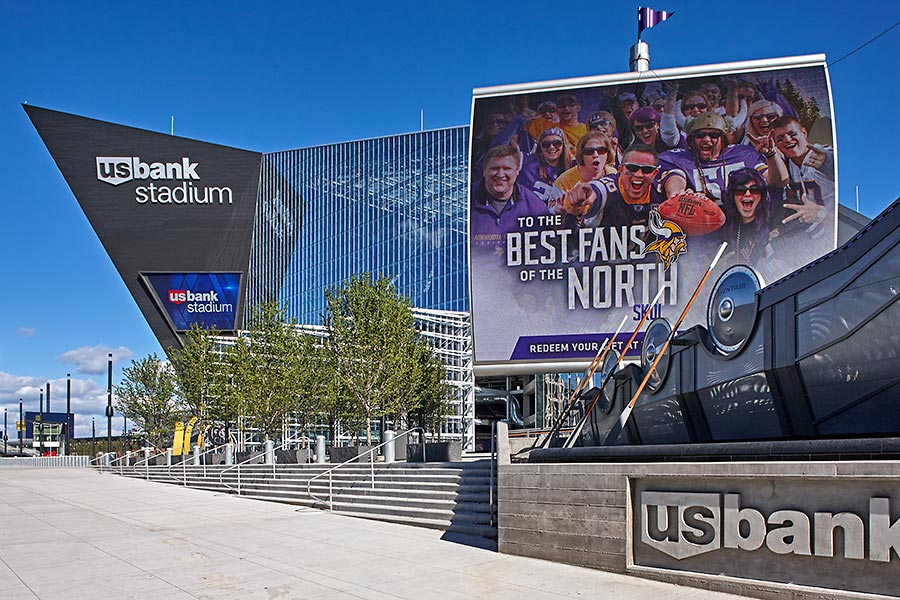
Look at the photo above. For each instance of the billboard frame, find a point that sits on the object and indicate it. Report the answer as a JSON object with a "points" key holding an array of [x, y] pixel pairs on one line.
{"points": [[505, 367]]}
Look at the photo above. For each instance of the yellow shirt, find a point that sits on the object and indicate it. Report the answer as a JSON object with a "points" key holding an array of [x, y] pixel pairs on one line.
{"points": [[537, 125], [570, 178]]}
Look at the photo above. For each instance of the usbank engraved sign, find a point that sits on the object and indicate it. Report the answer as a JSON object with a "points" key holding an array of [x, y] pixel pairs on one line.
{"points": [[809, 532]]}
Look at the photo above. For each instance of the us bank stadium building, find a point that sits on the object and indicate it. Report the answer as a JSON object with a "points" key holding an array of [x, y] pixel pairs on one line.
{"points": [[296, 222]]}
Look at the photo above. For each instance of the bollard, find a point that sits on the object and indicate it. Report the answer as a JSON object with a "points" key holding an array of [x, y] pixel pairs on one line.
{"points": [[168, 457], [229, 453], [270, 452], [196, 455], [389, 450], [320, 449]]}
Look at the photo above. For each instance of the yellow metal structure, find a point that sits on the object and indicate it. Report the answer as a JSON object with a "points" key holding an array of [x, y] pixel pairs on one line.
{"points": [[178, 441], [187, 435]]}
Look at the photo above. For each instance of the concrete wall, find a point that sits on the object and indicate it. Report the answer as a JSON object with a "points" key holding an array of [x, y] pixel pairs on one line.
{"points": [[602, 515]]}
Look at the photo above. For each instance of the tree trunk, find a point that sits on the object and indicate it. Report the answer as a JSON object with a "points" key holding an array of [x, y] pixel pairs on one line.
{"points": [[368, 431]]}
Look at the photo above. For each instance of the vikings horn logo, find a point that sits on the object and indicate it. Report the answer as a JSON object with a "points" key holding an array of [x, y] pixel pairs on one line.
{"points": [[670, 239]]}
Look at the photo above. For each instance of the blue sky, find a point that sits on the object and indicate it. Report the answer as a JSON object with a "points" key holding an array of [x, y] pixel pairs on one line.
{"points": [[270, 76]]}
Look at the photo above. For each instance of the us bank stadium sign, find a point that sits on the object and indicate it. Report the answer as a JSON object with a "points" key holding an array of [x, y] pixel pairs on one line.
{"points": [[161, 182], [684, 524], [824, 532]]}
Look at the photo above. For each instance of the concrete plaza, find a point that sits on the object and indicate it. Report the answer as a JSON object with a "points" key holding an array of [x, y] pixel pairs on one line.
{"points": [[76, 534]]}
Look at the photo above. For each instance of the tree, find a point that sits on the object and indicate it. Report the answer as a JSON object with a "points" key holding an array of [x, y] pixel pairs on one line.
{"points": [[315, 385], [375, 351], [198, 372], [146, 396], [265, 368], [430, 392], [808, 110]]}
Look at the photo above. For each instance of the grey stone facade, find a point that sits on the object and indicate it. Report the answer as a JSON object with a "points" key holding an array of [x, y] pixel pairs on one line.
{"points": [[590, 514]]}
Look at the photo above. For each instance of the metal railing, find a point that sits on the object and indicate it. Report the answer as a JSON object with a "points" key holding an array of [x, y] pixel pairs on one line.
{"points": [[330, 471], [254, 457], [191, 457], [118, 460], [68, 460], [97, 460], [494, 452], [146, 461]]}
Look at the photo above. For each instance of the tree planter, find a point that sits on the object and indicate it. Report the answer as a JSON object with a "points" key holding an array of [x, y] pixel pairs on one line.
{"points": [[214, 458], [435, 452], [293, 457], [256, 458], [345, 453]]}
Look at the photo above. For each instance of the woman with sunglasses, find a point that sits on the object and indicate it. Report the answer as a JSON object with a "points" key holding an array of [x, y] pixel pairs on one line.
{"points": [[748, 217], [595, 157], [550, 160], [758, 128]]}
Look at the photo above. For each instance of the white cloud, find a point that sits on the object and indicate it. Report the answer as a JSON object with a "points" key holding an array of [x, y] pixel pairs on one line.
{"points": [[92, 360], [89, 400], [27, 332]]}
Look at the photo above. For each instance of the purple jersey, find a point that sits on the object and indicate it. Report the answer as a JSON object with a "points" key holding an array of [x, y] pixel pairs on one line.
{"points": [[713, 172], [530, 174], [489, 227], [611, 210]]}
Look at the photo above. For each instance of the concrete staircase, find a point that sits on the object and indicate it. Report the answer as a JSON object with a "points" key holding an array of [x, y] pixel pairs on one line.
{"points": [[454, 496]]}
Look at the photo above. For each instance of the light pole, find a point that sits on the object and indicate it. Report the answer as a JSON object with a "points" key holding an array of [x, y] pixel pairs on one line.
{"points": [[41, 425], [68, 412], [5, 437], [93, 437], [109, 408], [20, 427]]}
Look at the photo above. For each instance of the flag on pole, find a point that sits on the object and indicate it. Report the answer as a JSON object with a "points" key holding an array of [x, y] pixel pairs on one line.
{"points": [[647, 18]]}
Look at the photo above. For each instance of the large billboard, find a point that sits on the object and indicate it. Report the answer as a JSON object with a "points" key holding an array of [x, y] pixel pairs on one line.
{"points": [[588, 197], [204, 300], [161, 204]]}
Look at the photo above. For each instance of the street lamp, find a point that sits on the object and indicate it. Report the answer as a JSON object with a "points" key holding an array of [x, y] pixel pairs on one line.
{"points": [[20, 427], [109, 407], [68, 412], [41, 421]]}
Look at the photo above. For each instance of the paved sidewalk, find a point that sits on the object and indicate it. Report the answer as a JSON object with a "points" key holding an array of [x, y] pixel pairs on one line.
{"points": [[76, 534]]}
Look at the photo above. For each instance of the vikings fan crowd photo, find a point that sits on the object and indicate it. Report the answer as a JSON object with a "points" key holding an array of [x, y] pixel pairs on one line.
{"points": [[662, 171]]}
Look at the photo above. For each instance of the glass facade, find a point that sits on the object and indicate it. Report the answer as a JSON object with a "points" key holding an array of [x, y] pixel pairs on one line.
{"points": [[393, 206]]}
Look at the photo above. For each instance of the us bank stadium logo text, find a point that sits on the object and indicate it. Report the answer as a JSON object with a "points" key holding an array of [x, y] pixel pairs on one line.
{"points": [[685, 524], [200, 302], [116, 170]]}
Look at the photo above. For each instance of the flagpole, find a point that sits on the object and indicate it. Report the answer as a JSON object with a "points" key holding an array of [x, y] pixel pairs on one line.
{"points": [[639, 58]]}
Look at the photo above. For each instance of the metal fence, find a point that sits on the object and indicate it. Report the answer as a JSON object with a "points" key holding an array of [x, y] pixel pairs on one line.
{"points": [[44, 461]]}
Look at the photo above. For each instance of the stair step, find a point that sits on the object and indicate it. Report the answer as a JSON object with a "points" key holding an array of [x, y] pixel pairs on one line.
{"points": [[444, 497]]}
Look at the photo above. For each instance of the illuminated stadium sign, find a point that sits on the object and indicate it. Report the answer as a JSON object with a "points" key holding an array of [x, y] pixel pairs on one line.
{"points": [[587, 200], [207, 300]]}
